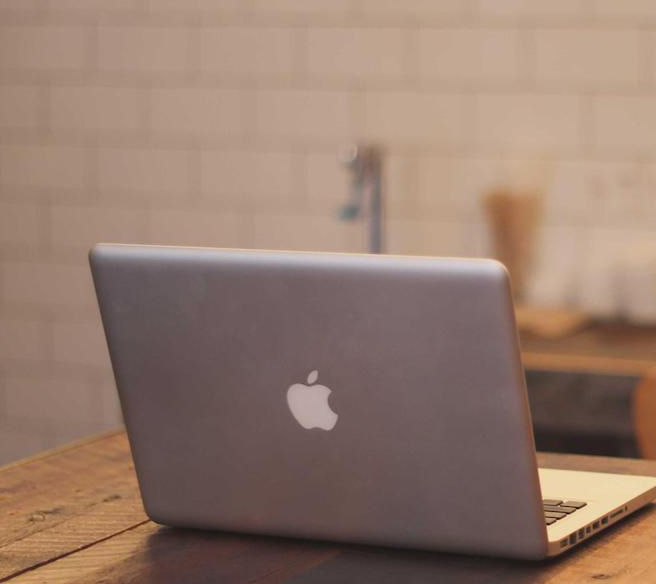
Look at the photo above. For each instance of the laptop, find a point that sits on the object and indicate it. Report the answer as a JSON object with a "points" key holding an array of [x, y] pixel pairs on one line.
{"points": [[367, 399]]}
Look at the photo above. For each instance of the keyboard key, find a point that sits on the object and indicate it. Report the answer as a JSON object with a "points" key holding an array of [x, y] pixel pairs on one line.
{"points": [[559, 509], [575, 504], [551, 501], [554, 515], [549, 521]]}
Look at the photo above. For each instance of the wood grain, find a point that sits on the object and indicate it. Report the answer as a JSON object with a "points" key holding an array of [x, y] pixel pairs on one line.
{"points": [[91, 528], [63, 502]]}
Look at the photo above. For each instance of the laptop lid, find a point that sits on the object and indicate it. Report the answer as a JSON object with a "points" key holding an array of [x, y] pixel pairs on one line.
{"points": [[372, 399]]}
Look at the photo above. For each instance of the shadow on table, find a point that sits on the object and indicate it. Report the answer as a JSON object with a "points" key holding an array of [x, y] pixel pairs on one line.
{"points": [[198, 557]]}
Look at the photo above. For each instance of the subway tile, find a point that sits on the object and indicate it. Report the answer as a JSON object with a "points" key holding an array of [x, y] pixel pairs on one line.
{"points": [[201, 228], [320, 7], [19, 224], [95, 6], [47, 399], [144, 49], [258, 176], [197, 111], [192, 7], [81, 226], [404, 117], [304, 114], [533, 8], [356, 52], [584, 58], [47, 284], [17, 441], [143, 169], [415, 8], [568, 199], [19, 106], [587, 192], [20, 338], [49, 48], [612, 9], [307, 233], [80, 343], [328, 182], [521, 121], [468, 54], [644, 210], [20, 6], [447, 186], [88, 109], [624, 122], [247, 51], [43, 166], [426, 237]]}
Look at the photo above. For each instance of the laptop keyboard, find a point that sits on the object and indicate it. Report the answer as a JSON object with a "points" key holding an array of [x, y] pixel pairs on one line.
{"points": [[554, 509]]}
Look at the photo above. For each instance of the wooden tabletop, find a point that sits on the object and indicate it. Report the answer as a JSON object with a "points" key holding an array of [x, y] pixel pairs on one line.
{"points": [[74, 515], [612, 348]]}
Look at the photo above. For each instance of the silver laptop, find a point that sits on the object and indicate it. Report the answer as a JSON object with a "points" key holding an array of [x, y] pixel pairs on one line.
{"points": [[368, 399]]}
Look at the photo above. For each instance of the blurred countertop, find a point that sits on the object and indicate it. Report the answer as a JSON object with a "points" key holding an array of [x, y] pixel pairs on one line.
{"points": [[593, 347]]}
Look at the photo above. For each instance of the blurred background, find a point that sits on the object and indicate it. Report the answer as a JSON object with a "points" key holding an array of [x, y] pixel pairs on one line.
{"points": [[525, 130]]}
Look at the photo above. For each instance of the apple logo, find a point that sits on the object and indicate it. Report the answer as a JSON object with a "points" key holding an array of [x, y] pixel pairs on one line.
{"points": [[309, 404]]}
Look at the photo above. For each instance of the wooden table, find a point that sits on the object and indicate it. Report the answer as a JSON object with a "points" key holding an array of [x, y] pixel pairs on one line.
{"points": [[612, 348], [611, 355], [74, 515]]}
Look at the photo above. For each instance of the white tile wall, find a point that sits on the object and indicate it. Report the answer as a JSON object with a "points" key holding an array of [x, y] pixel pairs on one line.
{"points": [[149, 171], [44, 167], [419, 9], [304, 115], [19, 224], [94, 109], [201, 228], [356, 53], [627, 8], [79, 343], [143, 49], [407, 118], [470, 54], [521, 122], [44, 48], [589, 58], [46, 284], [247, 176], [321, 7], [626, 123], [517, 9], [195, 112], [247, 51], [220, 122], [21, 338], [77, 227], [19, 106]]}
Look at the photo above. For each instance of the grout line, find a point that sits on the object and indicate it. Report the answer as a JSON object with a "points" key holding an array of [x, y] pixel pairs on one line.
{"points": [[587, 126], [300, 52], [527, 59]]}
